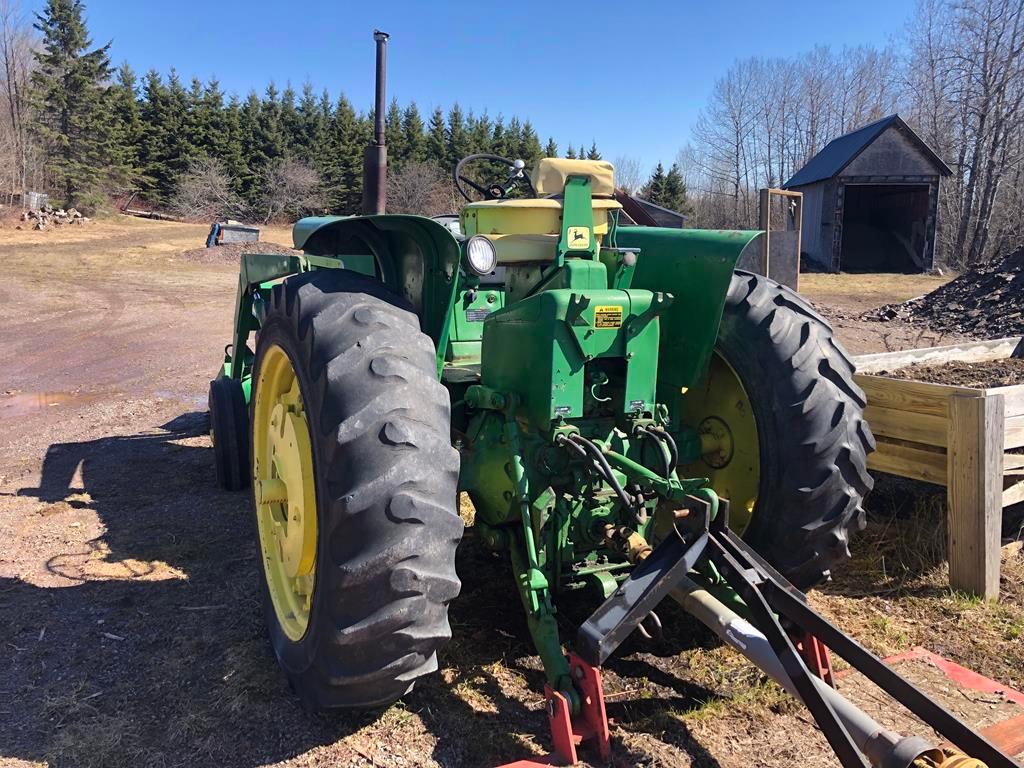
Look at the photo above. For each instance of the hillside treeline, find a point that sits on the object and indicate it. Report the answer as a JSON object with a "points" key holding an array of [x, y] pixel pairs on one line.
{"points": [[76, 128]]}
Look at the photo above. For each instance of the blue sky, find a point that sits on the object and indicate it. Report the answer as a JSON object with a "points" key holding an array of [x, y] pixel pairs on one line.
{"points": [[631, 76]]}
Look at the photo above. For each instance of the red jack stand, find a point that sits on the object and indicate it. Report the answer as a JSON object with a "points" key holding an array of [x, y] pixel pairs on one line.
{"points": [[815, 656], [592, 723]]}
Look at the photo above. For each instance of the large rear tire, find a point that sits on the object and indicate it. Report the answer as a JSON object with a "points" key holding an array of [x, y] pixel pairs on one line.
{"points": [[787, 418], [356, 596]]}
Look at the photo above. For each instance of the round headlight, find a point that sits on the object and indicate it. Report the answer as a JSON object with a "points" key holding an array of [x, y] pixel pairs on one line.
{"points": [[481, 255]]}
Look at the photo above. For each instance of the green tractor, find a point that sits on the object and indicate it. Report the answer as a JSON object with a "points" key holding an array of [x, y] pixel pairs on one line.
{"points": [[582, 381], [631, 417]]}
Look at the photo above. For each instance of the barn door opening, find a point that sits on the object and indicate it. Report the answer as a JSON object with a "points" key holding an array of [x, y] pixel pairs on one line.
{"points": [[885, 227]]}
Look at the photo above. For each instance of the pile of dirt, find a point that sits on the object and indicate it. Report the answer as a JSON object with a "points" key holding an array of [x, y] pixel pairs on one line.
{"points": [[229, 253], [987, 301], [991, 373]]}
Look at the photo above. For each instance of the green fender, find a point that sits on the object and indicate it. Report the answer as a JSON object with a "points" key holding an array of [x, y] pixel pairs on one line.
{"points": [[696, 267], [414, 256]]}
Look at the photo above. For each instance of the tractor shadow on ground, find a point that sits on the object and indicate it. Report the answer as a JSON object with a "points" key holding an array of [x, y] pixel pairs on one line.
{"points": [[152, 650]]}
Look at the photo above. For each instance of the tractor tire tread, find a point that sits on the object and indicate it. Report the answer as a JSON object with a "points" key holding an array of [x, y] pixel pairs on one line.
{"points": [[387, 479], [818, 440]]}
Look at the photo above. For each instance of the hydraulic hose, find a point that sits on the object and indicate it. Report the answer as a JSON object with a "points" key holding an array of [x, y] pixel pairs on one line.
{"points": [[663, 450], [670, 441], [587, 448]]}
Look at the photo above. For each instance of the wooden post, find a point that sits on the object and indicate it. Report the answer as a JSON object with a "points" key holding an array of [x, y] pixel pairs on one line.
{"points": [[765, 223], [974, 491]]}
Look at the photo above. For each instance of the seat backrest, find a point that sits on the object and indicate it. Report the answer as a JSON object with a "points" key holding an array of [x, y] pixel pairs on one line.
{"points": [[551, 173], [528, 230]]}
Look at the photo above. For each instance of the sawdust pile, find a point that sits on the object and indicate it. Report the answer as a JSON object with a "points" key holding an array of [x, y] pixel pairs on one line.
{"points": [[987, 301], [229, 253]]}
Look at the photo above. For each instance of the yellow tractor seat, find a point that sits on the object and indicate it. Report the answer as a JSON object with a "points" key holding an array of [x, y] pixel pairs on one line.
{"points": [[551, 173], [527, 230]]}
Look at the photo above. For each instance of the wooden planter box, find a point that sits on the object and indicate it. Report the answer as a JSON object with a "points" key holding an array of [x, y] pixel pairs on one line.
{"points": [[959, 437]]}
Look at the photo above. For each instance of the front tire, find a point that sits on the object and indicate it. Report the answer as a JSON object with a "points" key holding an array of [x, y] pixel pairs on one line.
{"points": [[357, 615], [229, 433]]}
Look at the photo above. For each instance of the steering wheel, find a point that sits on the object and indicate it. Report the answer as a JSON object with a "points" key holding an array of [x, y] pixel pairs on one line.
{"points": [[493, 191]]}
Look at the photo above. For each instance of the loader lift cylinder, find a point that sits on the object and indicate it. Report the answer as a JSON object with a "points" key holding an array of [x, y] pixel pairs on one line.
{"points": [[375, 156]]}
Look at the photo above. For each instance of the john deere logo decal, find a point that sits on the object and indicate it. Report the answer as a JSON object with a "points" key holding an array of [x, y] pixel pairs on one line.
{"points": [[607, 316], [579, 238]]}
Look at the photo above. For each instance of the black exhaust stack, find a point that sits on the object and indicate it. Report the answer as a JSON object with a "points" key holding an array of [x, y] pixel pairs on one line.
{"points": [[375, 157]]}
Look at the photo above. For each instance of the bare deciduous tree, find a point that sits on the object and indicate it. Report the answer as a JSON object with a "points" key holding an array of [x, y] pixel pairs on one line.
{"points": [[17, 155], [966, 78], [205, 191], [289, 187], [766, 117], [420, 188], [628, 176]]}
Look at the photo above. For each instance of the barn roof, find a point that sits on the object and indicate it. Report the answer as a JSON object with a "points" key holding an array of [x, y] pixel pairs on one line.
{"points": [[842, 151]]}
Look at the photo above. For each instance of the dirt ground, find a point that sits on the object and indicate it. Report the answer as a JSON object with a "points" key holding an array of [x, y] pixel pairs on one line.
{"points": [[844, 298], [129, 624]]}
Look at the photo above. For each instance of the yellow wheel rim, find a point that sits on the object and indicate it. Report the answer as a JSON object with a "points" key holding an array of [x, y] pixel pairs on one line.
{"points": [[720, 410], [284, 491]]}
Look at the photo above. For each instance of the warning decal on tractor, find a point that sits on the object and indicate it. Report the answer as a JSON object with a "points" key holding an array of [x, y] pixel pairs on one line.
{"points": [[607, 316]]}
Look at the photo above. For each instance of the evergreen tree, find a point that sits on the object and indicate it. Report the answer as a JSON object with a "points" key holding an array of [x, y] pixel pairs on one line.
{"points": [[394, 136], [499, 142], [124, 109], [199, 123], [311, 125], [290, 124], [570, 153], [270, 138], [72, 102], [233, 157], [675, 198], [593, 154], [213, 115], [529, 144], [458, 138], [252, 150], [513, 139], [160, 152], [342, 169], [551, 150], [413, 136], [437, 140], [480, 133], [654, 190]]}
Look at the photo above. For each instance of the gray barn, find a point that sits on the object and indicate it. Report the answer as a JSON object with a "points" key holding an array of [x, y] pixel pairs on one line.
{"points": [[871, 201]]}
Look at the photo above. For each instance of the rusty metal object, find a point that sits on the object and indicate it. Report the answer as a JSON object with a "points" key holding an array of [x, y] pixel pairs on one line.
{"points": [[375, 156]]}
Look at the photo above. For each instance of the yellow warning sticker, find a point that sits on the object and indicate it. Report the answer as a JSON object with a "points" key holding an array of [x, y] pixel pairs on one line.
{"points": [[609, 316], [579, 238]]}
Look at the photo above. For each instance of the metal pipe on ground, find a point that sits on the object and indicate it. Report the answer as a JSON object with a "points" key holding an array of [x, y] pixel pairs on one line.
{"points": [[882, 748], [375, 156]]}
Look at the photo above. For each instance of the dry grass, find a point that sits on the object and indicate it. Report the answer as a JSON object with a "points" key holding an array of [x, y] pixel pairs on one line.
{"points": [[895, 593], [871, 287]]}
